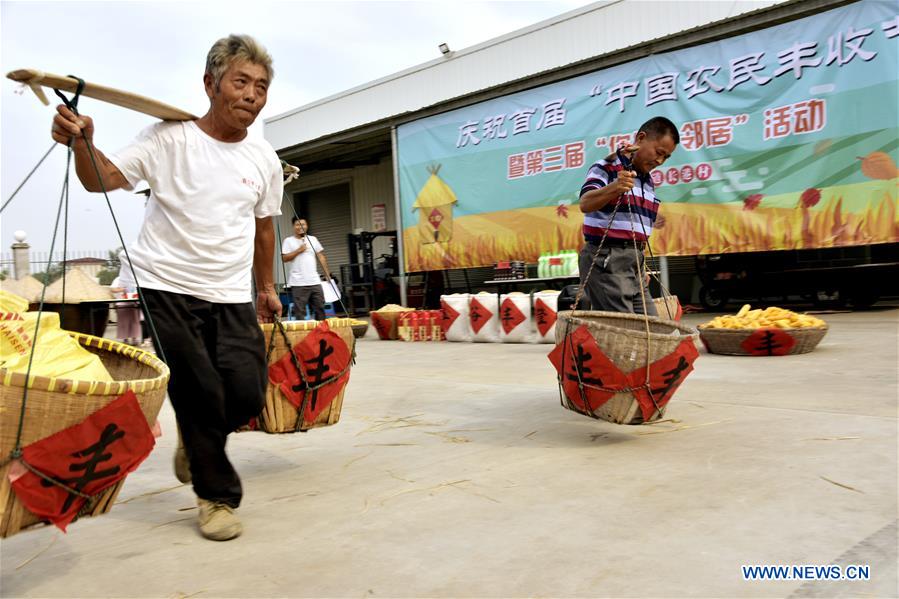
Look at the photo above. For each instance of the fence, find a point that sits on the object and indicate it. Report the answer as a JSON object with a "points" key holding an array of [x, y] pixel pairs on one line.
{"points": [[91, 261]]}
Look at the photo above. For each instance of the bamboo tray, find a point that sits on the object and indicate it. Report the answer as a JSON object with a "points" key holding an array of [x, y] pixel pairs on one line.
{"points": [[733, 342]]}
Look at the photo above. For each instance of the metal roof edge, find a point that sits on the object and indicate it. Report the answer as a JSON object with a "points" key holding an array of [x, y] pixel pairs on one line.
{"points": [[545, 24], [746, 22]]}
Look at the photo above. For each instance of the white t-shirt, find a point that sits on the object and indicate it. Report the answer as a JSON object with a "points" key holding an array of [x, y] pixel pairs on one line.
{"points": [[199, 229], [303, 268]]}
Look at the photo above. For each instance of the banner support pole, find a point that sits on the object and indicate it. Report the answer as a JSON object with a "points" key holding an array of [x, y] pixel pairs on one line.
{"points": [[663, 271], [399, 215]]}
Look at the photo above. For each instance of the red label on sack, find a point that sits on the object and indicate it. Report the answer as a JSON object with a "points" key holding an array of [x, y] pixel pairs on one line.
{"points": [[448, 315], [589, 377], [322, 357], [665, 376], [478, 315], [510, 315], [544, 316], [404, 323], [382, 325], [88, 457], [769, 342]]}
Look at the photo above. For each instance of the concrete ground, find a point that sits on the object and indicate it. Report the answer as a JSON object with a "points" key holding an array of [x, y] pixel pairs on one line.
{"points": [[454, 472]]}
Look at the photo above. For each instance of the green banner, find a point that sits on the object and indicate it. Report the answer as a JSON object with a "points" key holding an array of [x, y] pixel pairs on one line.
{"points": [[789, 139]]}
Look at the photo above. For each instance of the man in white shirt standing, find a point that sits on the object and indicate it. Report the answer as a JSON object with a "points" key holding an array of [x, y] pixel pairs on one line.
{"points": [[207, 229], [301, 251]]}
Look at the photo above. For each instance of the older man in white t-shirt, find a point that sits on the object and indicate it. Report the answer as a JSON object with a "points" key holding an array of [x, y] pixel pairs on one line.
{"points": [[304, 253], [207, 229]]}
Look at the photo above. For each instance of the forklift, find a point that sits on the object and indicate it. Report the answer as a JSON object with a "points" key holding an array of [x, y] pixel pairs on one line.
{"points": [[371, 282]]}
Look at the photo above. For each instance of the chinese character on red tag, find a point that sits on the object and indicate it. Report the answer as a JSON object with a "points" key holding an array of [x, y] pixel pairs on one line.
{"points": [[769, 342], [88, 457], [544, 316], [510, 315], [448, 315], [323, 356], [583, 366], [665, 376], [478, 314]]}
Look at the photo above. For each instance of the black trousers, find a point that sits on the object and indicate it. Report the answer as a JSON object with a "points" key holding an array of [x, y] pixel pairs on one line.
{"points": [[311, 294], [614, 284], [216, 354]]}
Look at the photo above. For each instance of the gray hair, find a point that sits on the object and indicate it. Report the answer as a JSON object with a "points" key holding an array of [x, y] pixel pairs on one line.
{"points": [[233, 48]]}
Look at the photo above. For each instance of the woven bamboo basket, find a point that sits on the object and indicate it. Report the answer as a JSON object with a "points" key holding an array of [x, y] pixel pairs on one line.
{"points": [[668, 307], [54, 404], [279, 415], [730, 341], [622, 338]]}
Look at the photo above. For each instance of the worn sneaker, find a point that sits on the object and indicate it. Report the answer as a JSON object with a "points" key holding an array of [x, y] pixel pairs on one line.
{"points": [[218, 521], [182, 464]]}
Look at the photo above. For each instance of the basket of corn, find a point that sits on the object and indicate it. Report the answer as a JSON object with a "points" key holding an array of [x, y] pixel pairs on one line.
{"points": [[755, 332], [385, 320]]}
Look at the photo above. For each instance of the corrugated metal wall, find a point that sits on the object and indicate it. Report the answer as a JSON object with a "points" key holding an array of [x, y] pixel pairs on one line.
{"points": [[374, 185]]}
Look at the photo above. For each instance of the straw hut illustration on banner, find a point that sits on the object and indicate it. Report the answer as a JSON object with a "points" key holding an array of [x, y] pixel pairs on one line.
{"points": [[435, 203]]}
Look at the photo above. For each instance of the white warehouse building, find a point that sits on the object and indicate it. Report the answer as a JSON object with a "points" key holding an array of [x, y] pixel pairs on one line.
{"points": [[346, 145]]}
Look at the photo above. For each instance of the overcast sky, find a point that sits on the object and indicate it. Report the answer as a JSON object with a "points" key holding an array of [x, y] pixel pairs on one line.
{"points": [[158, 49]]}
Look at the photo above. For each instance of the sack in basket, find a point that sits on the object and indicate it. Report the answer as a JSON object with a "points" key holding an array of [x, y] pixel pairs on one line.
{"points": [[601, 360], [309, 380], [59, 412]]}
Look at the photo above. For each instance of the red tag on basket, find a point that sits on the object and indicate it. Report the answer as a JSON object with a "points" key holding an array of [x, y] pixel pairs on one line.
{"points": [[769, 342], [665, 376], [322, 355], [448, 316], [544, 316], [584, 362], [510, 315], [382, 325], [478, 314], [88, 457]]}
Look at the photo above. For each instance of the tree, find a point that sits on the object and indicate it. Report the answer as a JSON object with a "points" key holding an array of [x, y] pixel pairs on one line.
{"points": [[110, 271], [53, 272]]}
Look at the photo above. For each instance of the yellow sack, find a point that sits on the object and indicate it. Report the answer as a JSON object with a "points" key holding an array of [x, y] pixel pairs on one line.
{"points": [[57, 354]]}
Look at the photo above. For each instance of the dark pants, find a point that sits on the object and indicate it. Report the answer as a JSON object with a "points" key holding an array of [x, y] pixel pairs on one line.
{"points": [[614, 284], [312, 295], [216, 354]]}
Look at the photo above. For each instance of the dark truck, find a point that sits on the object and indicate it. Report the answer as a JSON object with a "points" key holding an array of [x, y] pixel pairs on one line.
{"points": [[855, 276]]}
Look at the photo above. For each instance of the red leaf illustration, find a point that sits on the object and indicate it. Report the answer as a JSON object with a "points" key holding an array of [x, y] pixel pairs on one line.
{"points": [[810, 197], [752, 202]]}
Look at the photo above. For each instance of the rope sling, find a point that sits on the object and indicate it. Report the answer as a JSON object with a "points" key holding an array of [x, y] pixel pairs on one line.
{"points": [[568, 345], [63, 212]]}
